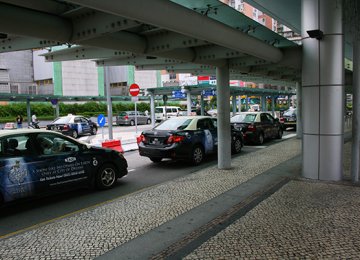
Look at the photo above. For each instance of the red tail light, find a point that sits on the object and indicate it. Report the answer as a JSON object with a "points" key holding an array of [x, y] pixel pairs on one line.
{"points": [[282, 120], [66, 127], [175, 139], [252, 128], [126, 117], [140, 139]]}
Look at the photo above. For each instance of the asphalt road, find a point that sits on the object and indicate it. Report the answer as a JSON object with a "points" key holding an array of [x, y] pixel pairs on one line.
{"points": [[142, 174]]}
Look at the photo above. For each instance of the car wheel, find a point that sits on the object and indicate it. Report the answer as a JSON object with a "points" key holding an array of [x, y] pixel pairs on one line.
{"points": [[155, 159], [279, 134], [197, 155], [106, 177], [93, 131], [74, 134], [237, 145], [261, 138], [148, 121], [132, 123]]}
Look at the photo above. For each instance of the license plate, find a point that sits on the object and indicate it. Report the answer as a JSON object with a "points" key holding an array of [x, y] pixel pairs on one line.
{"points": [[155, 141]]}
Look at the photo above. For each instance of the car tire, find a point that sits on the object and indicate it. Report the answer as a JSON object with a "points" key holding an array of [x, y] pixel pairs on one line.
{"points": [[105, 177], [132, 122], [279, 134], [237, 145], [93, 131], [260, 139], [155, 159], [74, 134], [148, 121], [197, 155]]}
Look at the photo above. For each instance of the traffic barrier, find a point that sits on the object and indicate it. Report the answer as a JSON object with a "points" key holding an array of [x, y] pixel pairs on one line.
{"points": [[113, 144]]}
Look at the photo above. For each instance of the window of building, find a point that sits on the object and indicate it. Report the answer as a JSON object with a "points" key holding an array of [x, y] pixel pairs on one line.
{"points": [[172, 76]]}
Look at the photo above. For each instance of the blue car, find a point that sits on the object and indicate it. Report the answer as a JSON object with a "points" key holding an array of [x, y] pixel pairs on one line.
{"points": [[188, 138], [73, 126], [34, 162]]}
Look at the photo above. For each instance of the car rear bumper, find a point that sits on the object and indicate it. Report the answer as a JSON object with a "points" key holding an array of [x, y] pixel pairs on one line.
{"points": [[172, 152]]}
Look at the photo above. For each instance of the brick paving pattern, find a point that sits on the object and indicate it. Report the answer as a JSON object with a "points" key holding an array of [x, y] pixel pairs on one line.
{"points": [[92, 233]]}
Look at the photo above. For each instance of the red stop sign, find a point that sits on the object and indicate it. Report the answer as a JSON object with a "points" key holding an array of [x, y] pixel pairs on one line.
{"points": [[134, 90]]}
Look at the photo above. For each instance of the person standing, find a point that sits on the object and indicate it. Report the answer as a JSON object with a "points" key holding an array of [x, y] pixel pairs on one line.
{"points": [[19, 120]]}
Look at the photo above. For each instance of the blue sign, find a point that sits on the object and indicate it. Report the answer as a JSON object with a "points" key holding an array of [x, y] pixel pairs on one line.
{"points": [[101, 120], [178, 94], [209, 92]]}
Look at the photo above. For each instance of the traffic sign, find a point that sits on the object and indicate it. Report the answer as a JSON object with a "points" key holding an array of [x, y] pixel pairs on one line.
{"points": [[178, 94], [209, 92], [101, 120], [134, 90]]}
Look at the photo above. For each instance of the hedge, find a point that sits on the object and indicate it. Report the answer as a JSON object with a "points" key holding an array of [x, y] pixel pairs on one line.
{"points": [[44, 111]]}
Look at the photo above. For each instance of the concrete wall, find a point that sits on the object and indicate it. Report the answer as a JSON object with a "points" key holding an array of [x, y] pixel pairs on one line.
{"points": [[80, 78], [146, 79], [19, 68], [42, 70]]}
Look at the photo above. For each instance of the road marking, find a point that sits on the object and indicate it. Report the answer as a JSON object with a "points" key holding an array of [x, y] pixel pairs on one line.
{"points": [[288, 136]]}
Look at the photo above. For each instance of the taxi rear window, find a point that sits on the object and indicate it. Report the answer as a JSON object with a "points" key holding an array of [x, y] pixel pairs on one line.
{"points": [[62, 120]]}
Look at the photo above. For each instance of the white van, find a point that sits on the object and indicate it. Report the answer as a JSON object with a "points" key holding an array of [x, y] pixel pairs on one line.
{"points": [[161, 114]]}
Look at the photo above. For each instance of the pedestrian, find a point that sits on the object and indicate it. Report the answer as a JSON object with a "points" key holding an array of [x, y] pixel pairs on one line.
{"points": [[34, 119], [146, 112], [19, 120]]}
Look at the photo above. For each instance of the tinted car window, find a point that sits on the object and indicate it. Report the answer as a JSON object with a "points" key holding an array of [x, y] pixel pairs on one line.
{"points": [[270, 118], [205, 124], [174, 124], [158, 110], [15, 146], [249, 118], [237, 118], [50, 144], [62, 120], [264, 118], [122, 114]]}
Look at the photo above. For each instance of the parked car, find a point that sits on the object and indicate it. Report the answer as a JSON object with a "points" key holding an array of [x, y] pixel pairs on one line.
{"points": [[73, 126], [34, 162], [128, 118], [187, 137], [257, 126], [288, 119], [162, 113]]}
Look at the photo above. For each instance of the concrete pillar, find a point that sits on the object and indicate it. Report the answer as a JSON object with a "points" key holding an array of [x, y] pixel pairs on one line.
{"points": [[233, 102], [355, 154], [202, 105], [247, 103], [223, 109], [28, 111], [322, 90], [108, 101], [273, 105], [298, 111], [57, 110], [263, 103], [239, 109], [152, 109], [188, 102]]}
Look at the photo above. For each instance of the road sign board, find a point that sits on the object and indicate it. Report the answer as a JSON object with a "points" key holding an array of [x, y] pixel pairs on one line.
{"points": [[134, 90], [178, 94], [101, 120], [209, 92]]}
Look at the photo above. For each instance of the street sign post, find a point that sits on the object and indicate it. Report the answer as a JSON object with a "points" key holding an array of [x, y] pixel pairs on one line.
{"points": [[101, 122], [134, 91]]}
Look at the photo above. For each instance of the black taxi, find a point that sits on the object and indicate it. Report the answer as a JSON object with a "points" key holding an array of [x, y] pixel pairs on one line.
{"points": [[36, 161]]}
